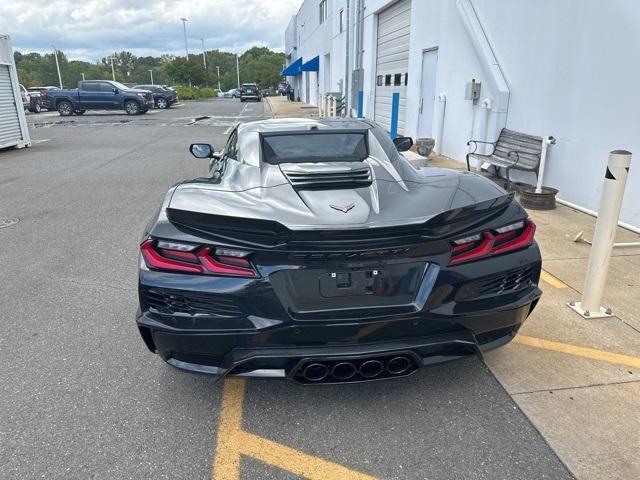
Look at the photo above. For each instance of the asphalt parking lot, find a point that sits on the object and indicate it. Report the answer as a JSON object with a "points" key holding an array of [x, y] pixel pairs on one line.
{"points": [[83, 398]]}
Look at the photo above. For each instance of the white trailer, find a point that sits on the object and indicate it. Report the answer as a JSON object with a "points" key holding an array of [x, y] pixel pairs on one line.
{"points": [[14, 131]]}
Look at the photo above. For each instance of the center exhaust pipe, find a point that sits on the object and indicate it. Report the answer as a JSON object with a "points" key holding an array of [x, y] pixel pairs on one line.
{"points": [[398, 365], [371, 368], [315, 372], [343, 370]]}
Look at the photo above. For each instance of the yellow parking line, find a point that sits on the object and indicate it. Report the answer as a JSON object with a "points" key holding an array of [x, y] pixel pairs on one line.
{"points": [[584, 352], [295, 461], [226, 465], [234, 442], [551, 280]]}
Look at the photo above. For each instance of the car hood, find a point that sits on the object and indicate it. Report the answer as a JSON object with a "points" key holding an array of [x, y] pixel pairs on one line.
{"points": [[398, 194]]}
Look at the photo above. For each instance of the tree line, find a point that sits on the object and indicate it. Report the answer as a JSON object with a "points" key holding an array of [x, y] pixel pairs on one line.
{"points": [[257, 65]]}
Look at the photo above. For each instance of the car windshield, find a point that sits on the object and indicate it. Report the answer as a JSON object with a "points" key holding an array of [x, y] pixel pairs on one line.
{"points": [[319, 146], [119, 86]]}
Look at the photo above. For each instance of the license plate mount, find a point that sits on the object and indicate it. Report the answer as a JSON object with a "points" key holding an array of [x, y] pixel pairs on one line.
{"points": [[354, 282]]}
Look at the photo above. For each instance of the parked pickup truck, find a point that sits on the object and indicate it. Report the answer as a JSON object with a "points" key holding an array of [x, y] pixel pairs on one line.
{"points": [[100, 95]]}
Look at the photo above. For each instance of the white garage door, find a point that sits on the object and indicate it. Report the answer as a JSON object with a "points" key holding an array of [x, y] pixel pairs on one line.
{"points": [[10, 132], [392, 62]]}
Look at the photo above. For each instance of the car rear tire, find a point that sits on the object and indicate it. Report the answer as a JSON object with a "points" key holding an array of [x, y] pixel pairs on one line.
{"points": [[65, 108], [131, 107], [162, 103], [36, 107]]}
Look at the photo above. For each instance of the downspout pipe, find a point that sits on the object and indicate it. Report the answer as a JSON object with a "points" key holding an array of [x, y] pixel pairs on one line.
{"points": [[546, 141], [442, 101], [347, 66], [490, 64]]}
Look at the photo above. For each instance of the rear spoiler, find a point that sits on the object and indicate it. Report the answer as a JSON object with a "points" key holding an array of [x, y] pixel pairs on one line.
{"points": [[270, 234]]}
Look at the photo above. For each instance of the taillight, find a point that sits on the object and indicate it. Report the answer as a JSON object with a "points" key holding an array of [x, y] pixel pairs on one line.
{"points": [[185, 258], [44, 95], [502, 240]]}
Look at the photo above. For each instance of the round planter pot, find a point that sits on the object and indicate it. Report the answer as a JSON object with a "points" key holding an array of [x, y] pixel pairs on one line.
{"points": [[520, 186], [546, 200], [424, 146]]}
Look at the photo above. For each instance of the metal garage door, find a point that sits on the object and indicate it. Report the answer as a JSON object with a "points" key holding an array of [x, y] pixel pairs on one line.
{"points": [[10, 132], [392, 62]]}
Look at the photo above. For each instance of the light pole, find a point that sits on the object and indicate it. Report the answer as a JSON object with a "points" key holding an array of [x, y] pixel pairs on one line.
{"points": [[238, 69], [184, 27], [218, 70], [204, 57], [82, 73], [113, 72], [55, 54], [151, 73]]}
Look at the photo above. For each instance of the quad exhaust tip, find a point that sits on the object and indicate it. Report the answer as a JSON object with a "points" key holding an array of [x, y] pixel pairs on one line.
{"points": [[357, 370], [343, 371], [315, 372], [371, 368], [398, 365]]}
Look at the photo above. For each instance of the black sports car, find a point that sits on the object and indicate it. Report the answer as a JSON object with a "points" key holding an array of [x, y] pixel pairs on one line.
{"points": [[314, 250], [162, 97]]}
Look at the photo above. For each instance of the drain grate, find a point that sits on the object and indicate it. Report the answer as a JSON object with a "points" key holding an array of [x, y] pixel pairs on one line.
{"points": [[7, 222]]}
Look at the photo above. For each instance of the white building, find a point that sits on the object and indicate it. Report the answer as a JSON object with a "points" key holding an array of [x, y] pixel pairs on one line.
{"points": [[565, 68]]}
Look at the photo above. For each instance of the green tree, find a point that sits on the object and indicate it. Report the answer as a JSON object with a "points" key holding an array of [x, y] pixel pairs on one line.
{"points": [[258, 64]]}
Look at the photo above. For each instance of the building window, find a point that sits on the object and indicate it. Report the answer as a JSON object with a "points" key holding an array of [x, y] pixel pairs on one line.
{"points": [[323, 10], [397, 79], [406, 79], [379, 80], [387, 80], [341, 20]]}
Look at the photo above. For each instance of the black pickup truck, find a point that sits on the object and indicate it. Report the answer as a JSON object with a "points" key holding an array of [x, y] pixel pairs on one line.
{"points": [[100, 95]]}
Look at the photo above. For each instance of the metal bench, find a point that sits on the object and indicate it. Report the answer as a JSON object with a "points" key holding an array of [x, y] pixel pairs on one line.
{"points": [[512, 151]]}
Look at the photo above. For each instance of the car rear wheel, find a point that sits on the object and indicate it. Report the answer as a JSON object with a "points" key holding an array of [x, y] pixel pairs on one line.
{"points": [[35, 107], [162, 103], [131, 107], [65, 108]]}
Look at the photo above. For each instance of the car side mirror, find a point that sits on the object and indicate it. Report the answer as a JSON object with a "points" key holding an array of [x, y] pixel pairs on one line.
{"points": [[403, 143], [201, 150], [115, 90]]}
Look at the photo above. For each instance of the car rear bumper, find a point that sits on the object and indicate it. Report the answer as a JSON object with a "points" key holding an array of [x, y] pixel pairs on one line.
{"points": [[285, 349]]}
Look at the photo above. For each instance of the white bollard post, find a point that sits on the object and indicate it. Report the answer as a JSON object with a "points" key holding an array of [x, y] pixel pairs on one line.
{"points": [[615, 180]]}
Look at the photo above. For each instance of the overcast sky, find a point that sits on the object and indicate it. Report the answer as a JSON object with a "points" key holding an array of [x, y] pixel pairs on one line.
{"points": [[91, 29]]}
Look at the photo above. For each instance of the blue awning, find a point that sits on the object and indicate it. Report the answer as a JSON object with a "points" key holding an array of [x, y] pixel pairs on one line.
{"points": [[312, 65], [293, 69]]}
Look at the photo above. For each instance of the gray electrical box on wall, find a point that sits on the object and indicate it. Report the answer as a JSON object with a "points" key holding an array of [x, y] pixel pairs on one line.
{"points": [[472, 92]]}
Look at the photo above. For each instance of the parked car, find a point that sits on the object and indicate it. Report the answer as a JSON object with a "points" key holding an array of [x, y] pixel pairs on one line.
{"points": [[44, 95], [30, 100], [233, 93], [314, 251], [282, 88], [162, 97], [100, 95], [250, 91]]}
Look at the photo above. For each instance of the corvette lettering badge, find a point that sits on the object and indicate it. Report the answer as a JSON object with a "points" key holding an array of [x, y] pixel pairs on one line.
{"points": [[343, 208]]}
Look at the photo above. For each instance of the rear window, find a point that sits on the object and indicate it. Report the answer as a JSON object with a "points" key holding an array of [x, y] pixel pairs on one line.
{"points": [[315, 146]]}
